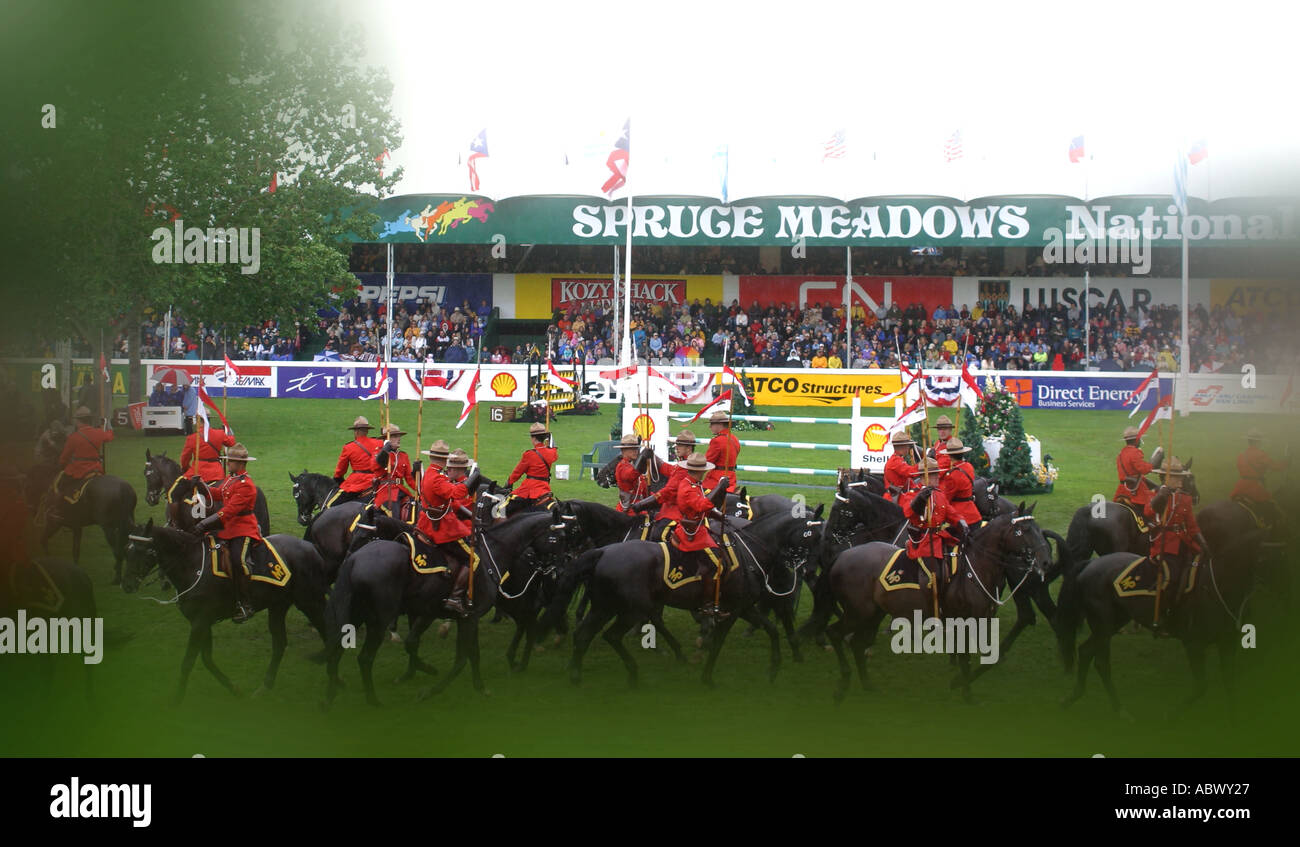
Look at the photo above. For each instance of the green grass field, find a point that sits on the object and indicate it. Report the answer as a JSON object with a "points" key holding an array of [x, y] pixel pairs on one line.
{"points": [[911, 712]]}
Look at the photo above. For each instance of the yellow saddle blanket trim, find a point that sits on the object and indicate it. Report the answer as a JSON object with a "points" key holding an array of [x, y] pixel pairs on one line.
{"points": [[419, 561], [1143, 526], [674, 577], [1127, 582], [892, 579], [37, 590], [1246, 504], [278, 573], [72, 498]]}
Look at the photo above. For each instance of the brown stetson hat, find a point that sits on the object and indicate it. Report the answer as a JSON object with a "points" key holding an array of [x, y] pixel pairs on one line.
{"points": [[238, 453], [720, 417], [696, 463], [930, 464], [438, 450], [361, 423], [82, 412], [685, 437], [391, 430], [943, 421], [1131, 432], [537, 429], [459, 459], [629, 439], [902, 438], [955, 446]]}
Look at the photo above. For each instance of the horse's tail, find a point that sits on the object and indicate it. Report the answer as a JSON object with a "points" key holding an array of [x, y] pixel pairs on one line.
{"points": [[1065, 558], [1077, 539], [1069, 610], [339, 610]]}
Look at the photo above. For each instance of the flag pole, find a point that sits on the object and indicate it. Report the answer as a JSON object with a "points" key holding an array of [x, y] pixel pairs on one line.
{"points": [[627, 286], [848, 309], [478, 368], [419, 423], [961, 383], [225, 382]]}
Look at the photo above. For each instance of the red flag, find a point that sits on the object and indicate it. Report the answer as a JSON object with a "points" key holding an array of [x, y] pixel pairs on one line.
{"points": [[726, 369], [231, 369], [207, 401], [726, 395], [618, 160], [381, 381], [1140, 393], [471, 399], [1162, 411], [275, 180], [621, 373], [380, 158], [969, 379], [477, 150], [103, 366], [912, 414], [555, 379]]}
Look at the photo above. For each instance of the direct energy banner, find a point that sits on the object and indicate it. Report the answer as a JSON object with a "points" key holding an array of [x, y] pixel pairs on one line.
{"points": [[1037, 390], [815, 388], [868, 291]]}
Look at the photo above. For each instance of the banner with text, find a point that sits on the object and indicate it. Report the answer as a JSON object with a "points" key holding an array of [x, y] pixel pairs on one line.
{"points": [[349, 382], [868, 291], [811, 388], [450, 290], [256, 379], [598, 292], [1034, 390]]}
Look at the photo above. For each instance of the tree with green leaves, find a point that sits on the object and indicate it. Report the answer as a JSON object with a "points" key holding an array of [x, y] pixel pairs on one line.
{"points": [[1014, 472], [187, 116], [973, 437]]}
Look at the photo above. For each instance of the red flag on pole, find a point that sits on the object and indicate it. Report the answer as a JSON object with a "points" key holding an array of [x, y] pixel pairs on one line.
{"points": [[724, 396], [231, 369], [1139, 394], [471, 399], [726, 369], [103, 366], [1163, 411]]}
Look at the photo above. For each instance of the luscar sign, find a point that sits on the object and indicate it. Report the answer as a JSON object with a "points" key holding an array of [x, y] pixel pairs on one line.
{"points": [[884, 221]]}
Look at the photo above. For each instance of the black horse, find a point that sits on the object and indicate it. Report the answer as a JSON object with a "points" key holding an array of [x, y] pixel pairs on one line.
{"points": [[1208, 615], [204, 598], [331, 532], [190, 500], [378, 582], [854, 588], [106, 500], [627, 586], [53, 587], [1104, 527], [159, 474], [310, 491], [1224, 521]]}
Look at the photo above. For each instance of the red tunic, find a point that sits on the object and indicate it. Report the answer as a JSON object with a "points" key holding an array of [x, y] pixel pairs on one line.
{"points": [[1252, 464], [438, 495], [391, 479], [1131, 462], [958, 486], [631, 485], [359, 454], [932, 543], [898, 473], [207, 464], [693, 506], [667, 496], [535, 467], [237, 518], [724, 451], [1175, 526], [80, 456]]}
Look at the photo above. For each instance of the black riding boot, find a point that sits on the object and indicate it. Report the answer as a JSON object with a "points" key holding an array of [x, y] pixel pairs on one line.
{"points": [[238, 550], [458, 602]]}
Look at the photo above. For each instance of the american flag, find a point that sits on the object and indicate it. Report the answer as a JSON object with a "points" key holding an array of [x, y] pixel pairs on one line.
{"points": [[1076, 149], [477, 150], [952, 147], [1198, 152], [834, 147]]}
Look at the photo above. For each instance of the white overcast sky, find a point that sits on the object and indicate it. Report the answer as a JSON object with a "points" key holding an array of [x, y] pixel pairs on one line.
{"points": [[772, 81]]}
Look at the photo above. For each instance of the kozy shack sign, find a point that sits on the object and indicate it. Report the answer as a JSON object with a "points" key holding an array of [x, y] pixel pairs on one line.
{"points": [[599, 292]]}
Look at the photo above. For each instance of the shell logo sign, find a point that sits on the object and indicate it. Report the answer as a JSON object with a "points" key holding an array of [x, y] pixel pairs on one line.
{"points": [[875, 437], [643, 426], [504, 384]]}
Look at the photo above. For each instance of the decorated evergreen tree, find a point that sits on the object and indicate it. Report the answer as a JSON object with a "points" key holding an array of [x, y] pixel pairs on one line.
{"points": [[973, 437], [1015, 473]]}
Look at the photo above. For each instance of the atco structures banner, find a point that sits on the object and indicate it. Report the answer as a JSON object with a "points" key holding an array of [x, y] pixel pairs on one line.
{"points": [[816, 388]]}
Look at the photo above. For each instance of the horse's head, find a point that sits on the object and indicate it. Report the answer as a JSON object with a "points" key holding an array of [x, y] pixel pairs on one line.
{"points": [[986, 497], [1020, 541], [153, 477], [141, 557], [188, 502], [302, 498], [1189, 483], [605, 476], [373, 524]]}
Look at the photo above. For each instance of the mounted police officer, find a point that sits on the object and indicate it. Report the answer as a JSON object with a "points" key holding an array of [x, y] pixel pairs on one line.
{"points": [[236, 525], [692, 535], [1133, 467], [632, 486], [665, 499], [927, 512], [535, 469], [444, 484], [359, 455], [81, 459], [1177, 539], [898, 470], [396, 480], [723, 452], [943, 428], [1252, 464]]}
